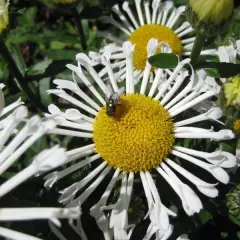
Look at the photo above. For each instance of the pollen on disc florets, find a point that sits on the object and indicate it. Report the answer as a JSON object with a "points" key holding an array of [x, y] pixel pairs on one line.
{"points": [[143, 34], [138, 137]]}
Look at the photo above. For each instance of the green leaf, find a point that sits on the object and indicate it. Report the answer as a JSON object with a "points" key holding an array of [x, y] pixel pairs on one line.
{"points": [[44, 85], [39, 68], [204, 216], [225, 70], [164, 60], [17, 56]]}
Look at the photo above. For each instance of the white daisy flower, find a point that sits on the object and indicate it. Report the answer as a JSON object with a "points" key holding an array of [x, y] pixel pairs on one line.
{"points": [[136, 136], [14, 142], [153, 19]]}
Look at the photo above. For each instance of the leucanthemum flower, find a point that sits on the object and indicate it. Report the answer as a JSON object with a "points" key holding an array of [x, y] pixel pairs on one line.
{"points": [[138, 140], [155, 19], [14, 142]]}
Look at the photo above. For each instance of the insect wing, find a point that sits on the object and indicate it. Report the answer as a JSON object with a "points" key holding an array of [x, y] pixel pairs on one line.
{"points": [[108, 91]]}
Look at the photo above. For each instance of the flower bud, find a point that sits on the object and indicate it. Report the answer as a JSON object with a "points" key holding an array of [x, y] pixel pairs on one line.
{"points": [[209, 16], [233, 202], [231, 90], [3, 14], [236, 126]]}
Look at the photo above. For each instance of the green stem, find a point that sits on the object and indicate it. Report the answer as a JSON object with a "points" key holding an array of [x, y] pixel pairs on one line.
{"points": [[18, 75], [79, 27], [197, 48]]}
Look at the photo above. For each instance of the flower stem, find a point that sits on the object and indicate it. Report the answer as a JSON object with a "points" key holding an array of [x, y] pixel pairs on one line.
{"points": [[18, 75], [197, 48], [79, 27]]}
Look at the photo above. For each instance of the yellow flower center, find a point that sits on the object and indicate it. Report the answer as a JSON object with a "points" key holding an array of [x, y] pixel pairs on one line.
{"points": [[143, 34], [236, 127], [138, 137], [232, 91]]}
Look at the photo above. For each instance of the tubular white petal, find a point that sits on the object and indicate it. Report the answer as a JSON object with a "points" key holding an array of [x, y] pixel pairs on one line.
{"points": [[83, 78], [83, 59], [160, 13], [44, 161], [220, 174], [69, 193], [14, 235], [217, 136], [96, 210], [181, 28], [56, 231], [139, 11], [190, 201], [185, 32], [119, 215], [166, 8], [158, 214], [188, 40], [29, 128], [64, 95], [180, 78], [56, 176], [156, 82], [200, 184], [24, 214], [126, 8], [147, 12], [191, 130], [183, 237], [106, 63], [227, 54], [11, 107], [64, 132], [82, 198], [128, 50], [195, 101], [155, 6], [182, 93], [10, 123], [40, 131], [212, 114], [107, 19], [151, 49], [174, 20], [220, 158], [122, 17], [172, 77]]}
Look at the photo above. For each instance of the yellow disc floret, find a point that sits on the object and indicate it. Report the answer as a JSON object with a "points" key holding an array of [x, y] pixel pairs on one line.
{"points": [[143, 34], [138, 137], [236, 126]]}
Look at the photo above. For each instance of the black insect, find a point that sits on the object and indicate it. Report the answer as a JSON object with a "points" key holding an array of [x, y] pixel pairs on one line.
{"points": [[112, 99]]}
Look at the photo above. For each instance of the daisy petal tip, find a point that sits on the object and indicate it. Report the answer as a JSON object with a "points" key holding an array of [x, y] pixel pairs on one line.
{"points": [[128, 48], [152, 46]]}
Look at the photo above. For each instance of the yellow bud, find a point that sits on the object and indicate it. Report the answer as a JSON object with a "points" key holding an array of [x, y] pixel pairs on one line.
{"points": [[212, 11], [65, 1], [232, 91], [236, 127], [3, 14], [209, 17]]}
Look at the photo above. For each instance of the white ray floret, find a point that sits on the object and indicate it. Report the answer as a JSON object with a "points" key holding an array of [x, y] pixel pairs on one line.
{"points": [[18, 134], [165, 88]]}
